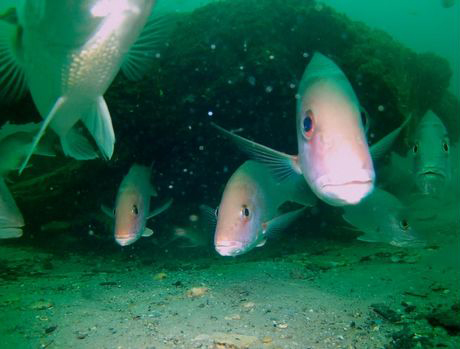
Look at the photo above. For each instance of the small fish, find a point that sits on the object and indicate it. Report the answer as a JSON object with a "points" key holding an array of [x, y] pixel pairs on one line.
{"points": [[67, 54], [15, 141], [248, 211], [11, 220], [193, 236], [447, 3], [382, 218], [430, 154], [333, 155], [132, 206]]}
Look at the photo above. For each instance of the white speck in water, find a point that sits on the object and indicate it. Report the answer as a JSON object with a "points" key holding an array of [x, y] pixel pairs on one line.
{"points": [[189, 127], [305, 55], [201, 147], [213, 47], [271, 57], [381, 108], [158, 55], [170, 186], [241, 67], [297, 96], [225, 170], [292, 85], [268, 89], [210, 113], [193, 218], [229, 82], [184, 170]]}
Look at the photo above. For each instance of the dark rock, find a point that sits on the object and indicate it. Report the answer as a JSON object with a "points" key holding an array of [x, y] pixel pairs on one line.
{"points": [[386, 312], [448, 319]]}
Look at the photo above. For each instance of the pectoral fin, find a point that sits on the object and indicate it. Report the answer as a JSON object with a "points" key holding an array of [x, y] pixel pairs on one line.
{"points": [[142, 53], [209, 218], [107, 211], [379, 149], [160, 209], [10, 233], [261, 243], [281, 165], [279, 223], [147, 232], [99, 124], [12, 78]]}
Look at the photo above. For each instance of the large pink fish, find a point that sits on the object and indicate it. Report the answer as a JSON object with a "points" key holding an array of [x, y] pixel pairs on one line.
{"points": [[333, 154]]}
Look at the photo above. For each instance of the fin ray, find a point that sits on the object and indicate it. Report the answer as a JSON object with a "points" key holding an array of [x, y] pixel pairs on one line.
{"points": [[140, 56], [12, 78], [280, 164]]}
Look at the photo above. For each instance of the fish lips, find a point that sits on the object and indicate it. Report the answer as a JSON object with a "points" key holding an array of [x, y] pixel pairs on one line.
{"points": [[345, 192], [230, 248], [124, 241]]}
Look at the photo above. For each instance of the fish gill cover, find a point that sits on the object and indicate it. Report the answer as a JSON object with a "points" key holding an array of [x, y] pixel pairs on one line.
{"points": [[237, 63]]}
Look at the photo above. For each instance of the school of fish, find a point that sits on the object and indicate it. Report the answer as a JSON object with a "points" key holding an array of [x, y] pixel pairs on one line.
{"points": [[67, 53]]}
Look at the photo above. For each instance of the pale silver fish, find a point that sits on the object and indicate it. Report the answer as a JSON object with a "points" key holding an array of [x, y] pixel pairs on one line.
{"points": [[383, 218], [430, 154], [132, 206], [67, 53], [15, 141], [248, 211], [11, 220], [333, 156]]}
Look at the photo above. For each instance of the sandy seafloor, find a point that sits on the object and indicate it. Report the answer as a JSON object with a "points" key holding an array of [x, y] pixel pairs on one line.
{"points": [[322, 294]]}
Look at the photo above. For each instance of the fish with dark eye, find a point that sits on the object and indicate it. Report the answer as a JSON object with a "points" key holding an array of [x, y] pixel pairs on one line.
{"points": [[132, 206], [248, 211], [431, 155], [382, 217], [67, 54], [333, 154]]}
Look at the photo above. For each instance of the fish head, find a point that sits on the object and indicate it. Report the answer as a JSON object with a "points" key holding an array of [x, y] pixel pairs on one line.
{"points": [[130, 216], [401, 231], [238, 218], [430, 152], [333, 152]]}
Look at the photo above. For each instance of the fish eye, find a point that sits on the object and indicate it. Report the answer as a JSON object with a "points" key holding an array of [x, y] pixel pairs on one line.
{"points": [[245, 211], [216, 211], [415, 148], [404, 225], [308, 124], [445, 146], [135, 210]]}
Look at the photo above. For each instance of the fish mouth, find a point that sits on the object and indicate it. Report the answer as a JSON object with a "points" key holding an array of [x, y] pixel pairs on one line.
{"points": [[229, 248], [124, 241], [346, 193], [432, 172]]}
